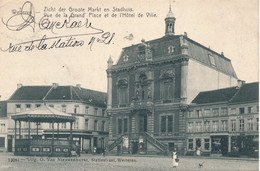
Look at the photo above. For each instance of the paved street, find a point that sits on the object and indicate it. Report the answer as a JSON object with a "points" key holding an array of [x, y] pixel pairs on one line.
{"points": [[116, 163]]}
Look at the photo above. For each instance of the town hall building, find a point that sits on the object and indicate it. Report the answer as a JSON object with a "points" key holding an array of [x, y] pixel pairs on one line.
{"points": [[151, 85]]}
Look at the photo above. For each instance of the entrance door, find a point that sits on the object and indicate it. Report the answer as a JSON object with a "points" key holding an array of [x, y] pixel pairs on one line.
{"points": [[9, 144], [143, 123], [134, 147], [171, 146]]}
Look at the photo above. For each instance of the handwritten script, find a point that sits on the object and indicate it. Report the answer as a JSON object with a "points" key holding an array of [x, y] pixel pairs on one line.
{"points": [[25, 18]]}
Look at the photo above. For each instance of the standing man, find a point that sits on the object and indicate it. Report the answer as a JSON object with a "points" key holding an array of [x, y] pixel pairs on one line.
{"points": [[175, 159]]}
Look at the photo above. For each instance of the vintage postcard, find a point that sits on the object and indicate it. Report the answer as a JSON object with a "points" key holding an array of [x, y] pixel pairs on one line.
{"points": [[129, 85]]}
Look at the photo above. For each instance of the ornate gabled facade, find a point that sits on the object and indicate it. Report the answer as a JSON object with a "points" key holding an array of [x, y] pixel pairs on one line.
{"points": [[152, 83]]}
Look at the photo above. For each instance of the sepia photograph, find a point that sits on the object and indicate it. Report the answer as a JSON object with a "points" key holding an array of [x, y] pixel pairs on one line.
{"points": [[129, 85]]}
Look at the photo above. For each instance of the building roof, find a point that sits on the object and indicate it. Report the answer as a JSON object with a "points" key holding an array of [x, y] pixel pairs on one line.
{"points": [[30, 93], [159, 49], [44, 114], [3, 109], [246, 93], [59, 93]]}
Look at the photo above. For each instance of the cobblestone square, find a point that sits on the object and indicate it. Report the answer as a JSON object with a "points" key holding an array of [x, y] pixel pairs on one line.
{"points": [[9, 162]]}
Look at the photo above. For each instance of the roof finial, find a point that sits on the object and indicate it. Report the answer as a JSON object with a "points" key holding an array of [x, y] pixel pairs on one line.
{"points": [[170, 7], [170, 13]]}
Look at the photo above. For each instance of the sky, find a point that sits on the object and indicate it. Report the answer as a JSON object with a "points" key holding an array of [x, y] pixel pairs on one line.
{"points": [[229, 26]]}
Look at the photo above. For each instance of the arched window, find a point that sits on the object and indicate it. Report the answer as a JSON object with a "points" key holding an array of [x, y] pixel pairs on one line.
{"points": [[122, 92], [167, 86], [144, 86]]}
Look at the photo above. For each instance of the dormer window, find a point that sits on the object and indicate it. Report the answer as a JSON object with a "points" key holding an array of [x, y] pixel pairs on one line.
{"points": [[212, 60], [170, 49], [125, 58]]}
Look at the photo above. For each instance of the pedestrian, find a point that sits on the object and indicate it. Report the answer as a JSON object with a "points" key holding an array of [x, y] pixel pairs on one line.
{"points": [[78, 151], [175, 159], [103, 152], [95, 150]]}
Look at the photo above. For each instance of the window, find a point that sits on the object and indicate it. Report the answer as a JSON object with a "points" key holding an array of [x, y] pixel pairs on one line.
{"points": [[76, 124], [190, 114], [86, 110], [51, 105], [241, 110], [198, 114], [122, 126], [86, 124], [224, 111], [207, 126], [224, 125], [241, 124], [122, 91], [125, 58], [103, 112], [2, 142], [190, 127], [3, 128], [233, 125], [163, 124], [250, 124], [257, 123], [167, 85], [95, 125], [257, 108], [63, 125], [207, 112], [122, 96], [167, 124], [249, 109], [168, 90], [190, 144], [212, 60], [28, 106], [125, 125], [233, 111], [215, 126], [198, 127], [103, 126], [215, 112], [96, 112], [63, 108], [38, 105], [171, 49], [206, 144], [18, 108], [76, 109]]}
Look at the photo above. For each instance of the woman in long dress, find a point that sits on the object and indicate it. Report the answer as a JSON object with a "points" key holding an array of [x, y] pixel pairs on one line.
{"points": [[175, 159]]}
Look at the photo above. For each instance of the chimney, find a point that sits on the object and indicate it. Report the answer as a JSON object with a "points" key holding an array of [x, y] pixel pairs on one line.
{"points": [[78, 85], [19, 85], [222, 54], [55, 85], [240, 83]]}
